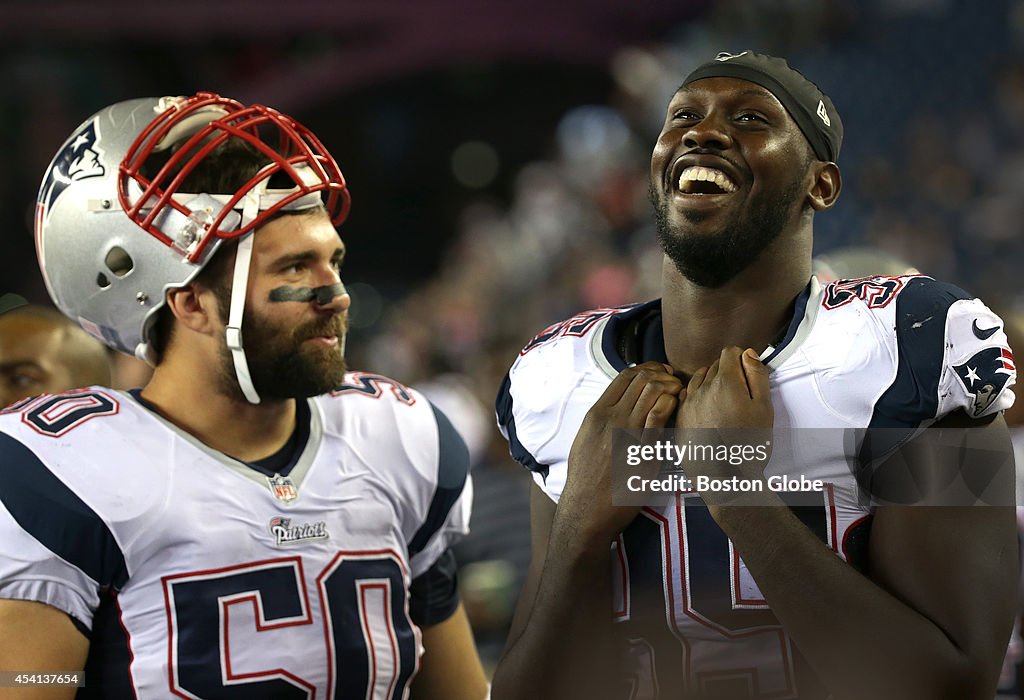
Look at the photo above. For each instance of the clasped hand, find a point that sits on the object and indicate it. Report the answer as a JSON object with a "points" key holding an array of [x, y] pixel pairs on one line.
{"points": [[732, 394], [728, 406]]}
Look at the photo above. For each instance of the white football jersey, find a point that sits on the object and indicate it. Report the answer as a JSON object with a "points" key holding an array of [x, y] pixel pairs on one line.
{"points": [[859, 355], [197, 576]]}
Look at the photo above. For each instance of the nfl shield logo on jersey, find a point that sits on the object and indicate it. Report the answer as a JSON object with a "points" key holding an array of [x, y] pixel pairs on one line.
{"points": [[283, 488]]}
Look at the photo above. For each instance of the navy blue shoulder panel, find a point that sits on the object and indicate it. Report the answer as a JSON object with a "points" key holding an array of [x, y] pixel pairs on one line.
{"points": [[52, 513], [503, 407], [913, 396], [613, 331], [921, 310], [452, 469]]}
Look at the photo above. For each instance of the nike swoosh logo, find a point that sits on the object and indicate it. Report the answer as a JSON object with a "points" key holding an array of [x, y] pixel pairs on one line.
{"points": [[983, 333]]}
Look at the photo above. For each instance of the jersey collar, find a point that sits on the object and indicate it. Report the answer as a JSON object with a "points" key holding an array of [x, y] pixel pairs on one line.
{"points": [[293, 465], [650, 335]]}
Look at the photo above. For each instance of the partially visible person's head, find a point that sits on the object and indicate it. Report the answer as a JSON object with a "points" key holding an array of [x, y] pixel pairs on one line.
{"points": [[42, 352], [747, 153]]}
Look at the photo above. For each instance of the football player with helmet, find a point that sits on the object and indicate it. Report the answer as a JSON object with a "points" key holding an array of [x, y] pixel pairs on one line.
{"points": [[256, 522], [850, 587]]}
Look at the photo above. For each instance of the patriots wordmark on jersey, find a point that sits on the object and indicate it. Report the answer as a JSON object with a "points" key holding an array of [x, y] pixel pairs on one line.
{"points": [[859, 357], [195, 575]]}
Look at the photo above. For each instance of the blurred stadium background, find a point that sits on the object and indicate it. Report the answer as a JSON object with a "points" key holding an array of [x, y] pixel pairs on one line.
{"points": [[497, 155]]}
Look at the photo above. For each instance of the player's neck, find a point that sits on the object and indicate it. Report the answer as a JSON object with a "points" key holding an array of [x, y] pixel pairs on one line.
{"points": [[224, 422], [748, 311]]}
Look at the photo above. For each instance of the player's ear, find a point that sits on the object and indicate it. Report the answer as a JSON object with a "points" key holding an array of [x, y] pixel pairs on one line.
{"points": [[195, 307], [826, 185]]}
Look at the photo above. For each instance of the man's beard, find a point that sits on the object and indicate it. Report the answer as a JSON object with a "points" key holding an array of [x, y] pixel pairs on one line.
{"points": [[712, 259], [281, 364]]}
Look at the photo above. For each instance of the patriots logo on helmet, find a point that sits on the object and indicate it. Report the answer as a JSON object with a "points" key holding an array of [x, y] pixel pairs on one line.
{"points": [[78, 160], [985, 375]]}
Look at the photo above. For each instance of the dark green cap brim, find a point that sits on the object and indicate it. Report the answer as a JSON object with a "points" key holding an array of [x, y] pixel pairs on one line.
{"points": [[9, 302]]}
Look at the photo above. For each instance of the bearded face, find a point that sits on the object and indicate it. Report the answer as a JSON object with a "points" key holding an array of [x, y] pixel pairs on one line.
{"points": [[712, 258], [728, 177], [286, 362]]}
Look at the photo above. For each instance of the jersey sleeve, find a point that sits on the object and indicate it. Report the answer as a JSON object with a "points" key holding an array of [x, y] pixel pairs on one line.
{"points": [[951, 354], [54, 548], [544, 397], [434, 594], [529, 418], [979, 372], [446, 515], [515, 423]]}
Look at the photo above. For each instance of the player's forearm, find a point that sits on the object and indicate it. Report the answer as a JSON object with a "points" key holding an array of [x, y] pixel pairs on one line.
{"points": [[862, 641], [564, 650]]}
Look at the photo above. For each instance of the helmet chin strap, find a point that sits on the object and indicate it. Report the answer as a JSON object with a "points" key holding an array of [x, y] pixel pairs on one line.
{"points": [[256, 199], [239, 282]]}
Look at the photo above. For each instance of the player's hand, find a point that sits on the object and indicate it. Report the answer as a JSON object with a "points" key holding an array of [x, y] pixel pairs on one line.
{"points": [[727, 403], [732, 393], [639, 398]]}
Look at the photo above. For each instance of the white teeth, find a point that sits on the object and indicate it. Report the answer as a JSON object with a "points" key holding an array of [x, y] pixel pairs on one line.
{"points": [[699, 174]]}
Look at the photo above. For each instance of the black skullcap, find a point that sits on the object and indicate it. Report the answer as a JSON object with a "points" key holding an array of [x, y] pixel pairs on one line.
{"points": [[810, 108], [9, 302]]}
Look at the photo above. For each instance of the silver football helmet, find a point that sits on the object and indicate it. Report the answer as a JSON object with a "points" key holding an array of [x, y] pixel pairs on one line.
{"points": [[113, 231]]}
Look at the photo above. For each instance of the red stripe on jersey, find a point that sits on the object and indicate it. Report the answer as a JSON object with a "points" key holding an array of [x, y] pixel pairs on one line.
{"points": [[1007, 360]]}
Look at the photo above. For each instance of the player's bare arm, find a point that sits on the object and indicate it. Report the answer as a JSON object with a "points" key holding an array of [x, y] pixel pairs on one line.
{"points": [[560, 642], [450, 668], [919, 624], [38, 637]]}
